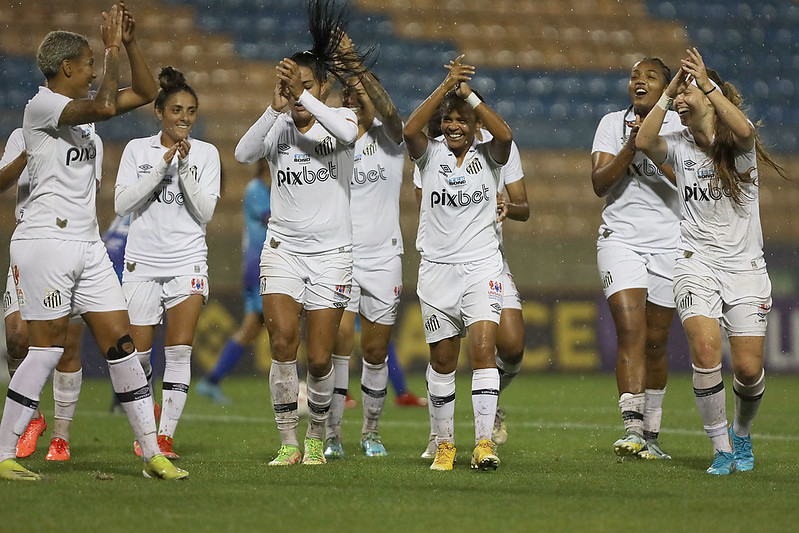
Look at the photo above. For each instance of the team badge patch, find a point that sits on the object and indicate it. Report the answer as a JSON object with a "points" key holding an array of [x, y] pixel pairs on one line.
{"points": [[52, 299], [431, 323], [474, 167], [197, 285], [325, 147]]}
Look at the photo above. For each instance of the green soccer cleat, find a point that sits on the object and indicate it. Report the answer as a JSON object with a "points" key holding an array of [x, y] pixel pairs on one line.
{"points": [[742, 451], [630, 444], [652, 450], [159, 467], [484, 457], [499, 434], [10, 469], [313, 452], [333, 448], [287, 455], [372, 446], [723, 464]]}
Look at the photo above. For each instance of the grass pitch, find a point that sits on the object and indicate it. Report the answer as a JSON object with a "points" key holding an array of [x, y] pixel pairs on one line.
{"points": [[558, 470]]}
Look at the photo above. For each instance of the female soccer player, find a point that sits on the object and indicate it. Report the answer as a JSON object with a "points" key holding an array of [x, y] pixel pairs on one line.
{"points": [[59, 220], [459, 277], [169, 183], [636, 250], [306, 264], [720, 272]]}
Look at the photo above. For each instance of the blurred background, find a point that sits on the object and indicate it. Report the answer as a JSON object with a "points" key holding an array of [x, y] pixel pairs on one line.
{"points": [[551, 68]]}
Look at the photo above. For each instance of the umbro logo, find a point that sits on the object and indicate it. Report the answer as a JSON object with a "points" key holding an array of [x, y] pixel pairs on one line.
{"points": [[283, 148], [689, 164], [445, 169], [145, 167]]}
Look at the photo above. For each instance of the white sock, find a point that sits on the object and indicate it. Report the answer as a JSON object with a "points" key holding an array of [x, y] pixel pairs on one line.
{"points": [[22, 399], [341, 380], [747, 402], [429, 402], [175, 388], [144, 359], [441, 388], [320, 394], [653, 412], [284, 386], [374, 382], [133, 392], [632, 412], [485, 391], [66, 390], [709, 392], [506, 372]]}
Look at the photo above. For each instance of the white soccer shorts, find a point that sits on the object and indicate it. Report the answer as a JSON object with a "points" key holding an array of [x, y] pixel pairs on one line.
{"points": [[511, 299], [376, 289], [148, 300], [621, 268]]}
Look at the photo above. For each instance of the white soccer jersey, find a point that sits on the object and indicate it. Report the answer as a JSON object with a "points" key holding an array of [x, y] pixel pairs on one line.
{"points": [[164, 238], [458, 211], [61, 166], [722, 233], [310, 197], [642, 210], [375, 189], [511, 172], [15, 146]]}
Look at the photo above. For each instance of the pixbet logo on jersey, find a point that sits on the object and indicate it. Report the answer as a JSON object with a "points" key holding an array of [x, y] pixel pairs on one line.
{"points": [[84, 153], [461, 199], [644, 168], [305, 177], [372, 176]]}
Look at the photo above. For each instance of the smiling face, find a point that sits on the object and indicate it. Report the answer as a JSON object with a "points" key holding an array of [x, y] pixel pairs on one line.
{"points": [[355, 98], [458, 125], [82, 72], [177, 117], [301, 115], [692, 106], [647, 82]]}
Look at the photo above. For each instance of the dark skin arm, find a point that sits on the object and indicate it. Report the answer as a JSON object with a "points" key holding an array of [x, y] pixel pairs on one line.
{"points": [[10, 173], [607, 169], [515, 203]]}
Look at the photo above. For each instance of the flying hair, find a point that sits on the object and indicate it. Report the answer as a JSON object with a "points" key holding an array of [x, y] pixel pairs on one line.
{"points": [[327, 23]]}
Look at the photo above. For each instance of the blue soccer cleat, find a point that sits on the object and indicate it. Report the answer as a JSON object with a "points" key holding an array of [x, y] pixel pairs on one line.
{"points": [[742, 451], [372, 446], [723, 464]]}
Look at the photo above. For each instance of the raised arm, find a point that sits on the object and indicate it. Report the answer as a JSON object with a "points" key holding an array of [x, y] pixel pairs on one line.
{"points": [[143, 89], [648, 139], [413, 132], [607, 169], [500, 144], [250, 147]]}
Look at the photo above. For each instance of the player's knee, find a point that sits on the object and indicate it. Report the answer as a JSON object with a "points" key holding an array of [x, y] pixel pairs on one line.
{"points": [[123, 348], [16, 345], [511, 355]]}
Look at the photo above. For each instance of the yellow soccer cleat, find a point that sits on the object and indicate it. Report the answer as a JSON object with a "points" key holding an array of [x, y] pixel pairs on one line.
{"points": [[484, 457], [12, 470], [445, 457], [159, 467], [287, 455], [314, 452]]}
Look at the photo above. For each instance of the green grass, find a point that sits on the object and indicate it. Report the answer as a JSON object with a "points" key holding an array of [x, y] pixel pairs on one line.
{"points": [[558, 470]]}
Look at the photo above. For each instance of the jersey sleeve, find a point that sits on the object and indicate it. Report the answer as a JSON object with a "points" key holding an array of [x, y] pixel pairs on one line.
{"points": [[512, 170], [211, 172], [44, 111], [606, 136], [126, 174], [98, 160], [15, 145]]}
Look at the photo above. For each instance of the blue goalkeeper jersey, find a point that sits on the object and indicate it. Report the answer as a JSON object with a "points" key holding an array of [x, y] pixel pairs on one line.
{"points": [[256, 216]]}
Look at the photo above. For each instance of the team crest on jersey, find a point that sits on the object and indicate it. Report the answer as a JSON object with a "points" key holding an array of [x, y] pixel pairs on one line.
{"points": [[325, 147], [263, 285], [283, 149], [474, 167], [457, 181], [370, 149], [7, 301], [685, 301], [431, 323], [689, 164], [52, 299], [302, 159], [607, 279], [197, 285]]}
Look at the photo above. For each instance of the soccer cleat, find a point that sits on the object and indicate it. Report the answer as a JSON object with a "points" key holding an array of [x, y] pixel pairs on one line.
{"points": [[13, 471], [287, 455], [652, 450], [334, 448], [159, 467], [313, 452], [408, 399], [213, 392], [59, 450], [445, 457], [372, 446], [630, 444], [165, 445], [26, 444], [349, 403], [484, 457], [723, 464], [430, 452], [499, 434], [742, 451]]}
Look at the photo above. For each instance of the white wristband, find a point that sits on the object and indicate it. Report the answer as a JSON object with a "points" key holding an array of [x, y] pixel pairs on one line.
{"points": [[664, 102], [473, 100]]}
